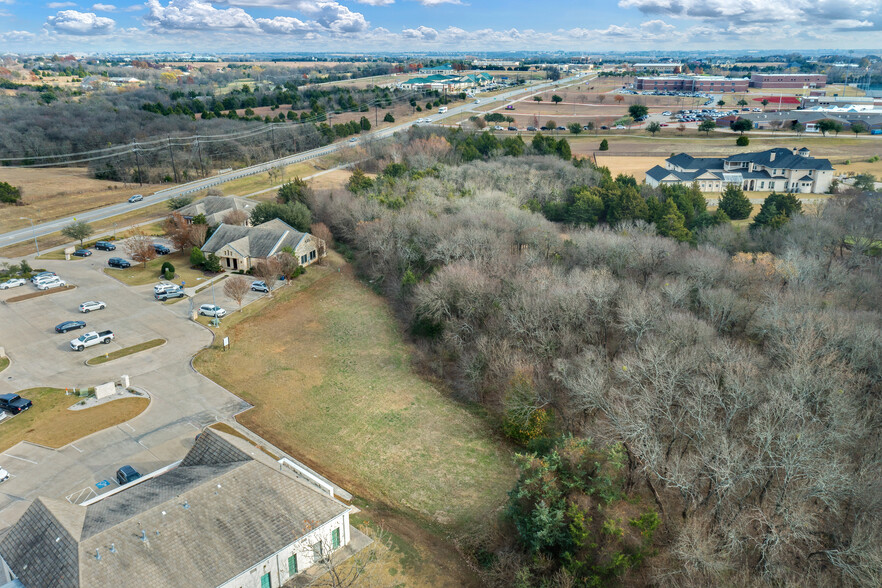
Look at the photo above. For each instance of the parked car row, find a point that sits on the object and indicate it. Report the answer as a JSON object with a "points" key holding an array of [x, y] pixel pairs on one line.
{"points": [[47, 280], [85, 308]]}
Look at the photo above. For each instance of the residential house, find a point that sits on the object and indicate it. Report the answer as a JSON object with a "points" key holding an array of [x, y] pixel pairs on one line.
{"points": [[216, 208], [784, 170], [242, 247], [228, 515]]}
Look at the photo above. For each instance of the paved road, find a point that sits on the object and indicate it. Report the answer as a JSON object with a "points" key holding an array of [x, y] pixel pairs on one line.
{"points": [[183, 401], [24, 234]]}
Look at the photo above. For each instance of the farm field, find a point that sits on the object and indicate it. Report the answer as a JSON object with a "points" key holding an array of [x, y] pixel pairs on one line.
{"points": [[335, 388], [50, 193]]}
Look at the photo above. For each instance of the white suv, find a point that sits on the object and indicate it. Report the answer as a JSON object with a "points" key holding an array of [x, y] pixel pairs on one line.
{"points": [[92, 305], [163, 287], [212, 310]]}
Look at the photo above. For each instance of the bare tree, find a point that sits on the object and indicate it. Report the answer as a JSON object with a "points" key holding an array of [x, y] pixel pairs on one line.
{"points": [[182, 233], [323, 239], [367, 568], [268, 271], [236, 217], [236, 287], [140, 247], [288, 263]]}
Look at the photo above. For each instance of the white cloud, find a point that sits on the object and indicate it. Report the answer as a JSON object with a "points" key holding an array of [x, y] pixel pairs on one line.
{"points": [[376, 2], [16, 36], [420, 33], [285, 25], [438, 2], [104, 7], [194, 14], [72, 22], [57, 5], [813, 13]]}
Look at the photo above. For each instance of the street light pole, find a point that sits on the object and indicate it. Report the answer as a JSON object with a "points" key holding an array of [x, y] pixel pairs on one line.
{"points": [[33, 231]]}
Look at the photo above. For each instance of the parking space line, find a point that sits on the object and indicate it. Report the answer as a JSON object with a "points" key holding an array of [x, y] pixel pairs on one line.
{"points": [[75, 447], [21, 458], [129, 426], [194, 426]]}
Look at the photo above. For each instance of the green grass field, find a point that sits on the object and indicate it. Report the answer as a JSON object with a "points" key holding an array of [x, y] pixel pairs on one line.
{"points": [[334, 386]]}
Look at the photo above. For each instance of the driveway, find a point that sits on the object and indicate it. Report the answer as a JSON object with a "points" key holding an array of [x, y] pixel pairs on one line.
{"points": [[182, 400]]}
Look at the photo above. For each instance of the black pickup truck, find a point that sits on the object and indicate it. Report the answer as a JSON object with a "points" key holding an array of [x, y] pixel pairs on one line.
{"points": [[14, 403]]}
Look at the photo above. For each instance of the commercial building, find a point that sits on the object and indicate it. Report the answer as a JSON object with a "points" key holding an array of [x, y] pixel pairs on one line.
{"points": [[447, 83], [871, 119], [672, 68], [243, 247], [758, 80], [496, 63], [784, 170], [228, 515], [687, 83], [437, 69]]}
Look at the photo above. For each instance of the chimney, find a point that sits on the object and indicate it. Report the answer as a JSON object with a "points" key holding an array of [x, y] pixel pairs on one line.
{"points": [[772, 156]]}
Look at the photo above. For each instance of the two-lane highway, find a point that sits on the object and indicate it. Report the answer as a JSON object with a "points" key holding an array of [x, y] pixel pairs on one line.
{"points": [[105, 212]]}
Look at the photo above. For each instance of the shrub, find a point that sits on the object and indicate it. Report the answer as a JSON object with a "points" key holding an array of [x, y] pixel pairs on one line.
{"points": [[742, 141], [197, 258], [604, 145], [9, 194], [734, 203], [167, 267], [169, 274], [212, 263]]}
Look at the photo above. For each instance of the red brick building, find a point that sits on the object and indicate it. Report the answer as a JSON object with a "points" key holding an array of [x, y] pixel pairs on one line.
{"points": [[685, 83], [788, 80]]}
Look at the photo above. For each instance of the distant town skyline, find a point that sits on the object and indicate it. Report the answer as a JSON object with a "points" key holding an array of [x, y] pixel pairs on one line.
{"points": [[436, 25]]}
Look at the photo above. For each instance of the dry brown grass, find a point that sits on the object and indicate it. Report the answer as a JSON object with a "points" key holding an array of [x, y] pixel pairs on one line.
{"points": [[334, 387], [634, 166], [51, 193], [50, 423]]}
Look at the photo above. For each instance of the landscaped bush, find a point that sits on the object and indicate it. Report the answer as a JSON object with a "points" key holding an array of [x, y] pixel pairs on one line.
{"points": [[168, 270], [742, 141], [604, 145]]}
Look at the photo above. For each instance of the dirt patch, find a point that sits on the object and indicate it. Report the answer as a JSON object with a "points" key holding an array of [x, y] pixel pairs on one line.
{"points": [[632, 166]]}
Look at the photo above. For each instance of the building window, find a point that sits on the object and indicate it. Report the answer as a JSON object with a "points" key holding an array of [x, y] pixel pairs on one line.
{"points": [[762, 185], [266, 581], [335, 538], [292, 564], [303, 259], [312, 255], [316, 552]]}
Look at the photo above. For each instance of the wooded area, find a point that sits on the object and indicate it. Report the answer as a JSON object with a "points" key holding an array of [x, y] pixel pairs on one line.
{"points": [[728, 381]]}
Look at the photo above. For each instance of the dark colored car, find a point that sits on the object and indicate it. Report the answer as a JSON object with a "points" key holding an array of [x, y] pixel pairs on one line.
{"points": [[604, 128], [126, 474], [161, 249], [14, 403], [69, 326], [118, 262], [105, 246], [531, 128], [170, 293], [82, 253]]}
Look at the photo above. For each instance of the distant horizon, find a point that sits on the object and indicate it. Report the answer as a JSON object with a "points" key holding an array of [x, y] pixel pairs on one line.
{"points": [[364, 26]]}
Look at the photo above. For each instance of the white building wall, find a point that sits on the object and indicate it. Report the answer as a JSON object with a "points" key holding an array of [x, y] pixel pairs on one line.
{"points": [[277, 564]]}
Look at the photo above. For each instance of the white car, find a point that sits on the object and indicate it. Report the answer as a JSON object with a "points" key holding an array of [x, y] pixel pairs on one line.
{"points": [[43, 279], [13, 283], [163, 287], [51, 284], [92, 305], [4, 475], [212, 310]]}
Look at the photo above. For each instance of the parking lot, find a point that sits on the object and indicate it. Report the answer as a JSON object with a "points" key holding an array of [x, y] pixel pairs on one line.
{"points": [[182, 400]]}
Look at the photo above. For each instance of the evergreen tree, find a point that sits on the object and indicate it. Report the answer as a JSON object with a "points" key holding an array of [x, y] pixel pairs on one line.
{"points": [[734, 203]]}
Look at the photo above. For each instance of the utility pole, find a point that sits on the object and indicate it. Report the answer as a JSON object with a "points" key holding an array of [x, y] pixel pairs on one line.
{"points": [[199, 148], [376, 115], [137, 162], [172, 155], [273, 134]]}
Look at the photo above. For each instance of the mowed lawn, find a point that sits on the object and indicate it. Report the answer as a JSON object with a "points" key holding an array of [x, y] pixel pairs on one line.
{"points": [[138, 275], [332, 383], [49, 422]]}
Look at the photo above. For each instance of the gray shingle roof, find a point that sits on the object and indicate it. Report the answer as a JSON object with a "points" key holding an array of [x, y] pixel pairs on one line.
{"points": [[215, 208], [225, 508], [259, 242], [784, 159]]}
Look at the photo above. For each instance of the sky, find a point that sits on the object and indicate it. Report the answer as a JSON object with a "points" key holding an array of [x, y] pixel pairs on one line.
{"points": [[221, 26]]}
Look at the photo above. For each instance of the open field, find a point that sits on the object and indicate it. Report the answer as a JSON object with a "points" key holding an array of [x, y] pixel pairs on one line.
{"points": [[125, 351], [50, 193], [50, 423], [632, 166], [138, 275], [334, 387]]}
